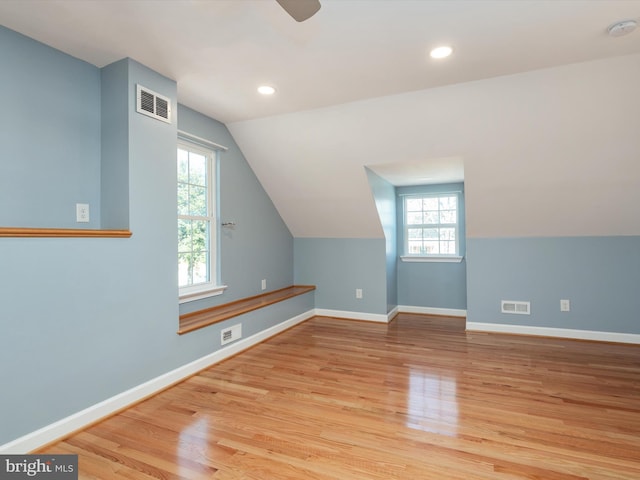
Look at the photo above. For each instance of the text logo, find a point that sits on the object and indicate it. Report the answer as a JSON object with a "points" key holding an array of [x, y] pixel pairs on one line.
{"points": [[51, 467]]}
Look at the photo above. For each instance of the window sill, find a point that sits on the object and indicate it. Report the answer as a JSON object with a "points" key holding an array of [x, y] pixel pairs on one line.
{"points": [[199, 294], [452, 259], [203, 318]]}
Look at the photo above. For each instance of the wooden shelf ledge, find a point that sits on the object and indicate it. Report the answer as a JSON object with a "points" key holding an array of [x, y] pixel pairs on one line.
{"points": [[209, 316], [62, 232]]}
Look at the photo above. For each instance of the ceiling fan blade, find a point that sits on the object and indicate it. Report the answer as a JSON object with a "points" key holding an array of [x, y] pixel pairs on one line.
{"points": [[300, 10]]}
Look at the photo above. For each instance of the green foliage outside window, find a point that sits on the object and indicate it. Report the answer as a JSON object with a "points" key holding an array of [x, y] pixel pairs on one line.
{"points": [[194, 221]]}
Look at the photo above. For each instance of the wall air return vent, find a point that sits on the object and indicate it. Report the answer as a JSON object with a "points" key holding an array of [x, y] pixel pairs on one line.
{"points": [[231, 334], [517, 308], [153, 104]]}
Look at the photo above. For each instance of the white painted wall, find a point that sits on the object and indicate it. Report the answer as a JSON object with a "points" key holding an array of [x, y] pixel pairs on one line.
{"points": [[546, 153]]}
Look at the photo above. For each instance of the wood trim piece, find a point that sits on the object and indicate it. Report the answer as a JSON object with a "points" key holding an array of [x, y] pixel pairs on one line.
{"points": [[203, 318], [62, 233]]}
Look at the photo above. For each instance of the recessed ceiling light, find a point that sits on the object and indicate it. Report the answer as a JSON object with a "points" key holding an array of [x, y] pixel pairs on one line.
{"points": [[266, 90], [441, 52]]}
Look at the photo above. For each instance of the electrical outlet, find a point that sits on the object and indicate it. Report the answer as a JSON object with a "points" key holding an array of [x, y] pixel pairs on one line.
{"points": [[358, 293], [82, 212], [264, 284], [565, 305]]}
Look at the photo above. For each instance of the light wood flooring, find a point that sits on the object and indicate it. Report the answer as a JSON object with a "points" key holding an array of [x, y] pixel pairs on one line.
{"points": [[416, 399]]}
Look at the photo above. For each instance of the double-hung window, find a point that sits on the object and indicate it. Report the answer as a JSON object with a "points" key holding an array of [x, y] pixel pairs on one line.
{"points": [[197, 222], [431, 227]]}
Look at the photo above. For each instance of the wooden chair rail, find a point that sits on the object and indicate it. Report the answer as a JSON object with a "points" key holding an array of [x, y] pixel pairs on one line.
{"points": [[62, 233], [203, 318]]}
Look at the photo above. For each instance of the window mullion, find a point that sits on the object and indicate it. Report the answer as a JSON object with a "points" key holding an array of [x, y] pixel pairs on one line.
{"points": [[195, 217]]}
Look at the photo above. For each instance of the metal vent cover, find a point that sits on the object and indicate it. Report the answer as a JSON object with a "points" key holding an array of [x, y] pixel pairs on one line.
{"points": [[231, 334], [153, 104], [516, 307]]}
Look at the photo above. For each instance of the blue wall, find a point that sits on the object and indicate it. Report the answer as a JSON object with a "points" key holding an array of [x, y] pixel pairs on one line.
{"points": [[50, 117], [385, 197], [337, 267], [114, 153], [432, 284], [86, 319], [599, 275]]}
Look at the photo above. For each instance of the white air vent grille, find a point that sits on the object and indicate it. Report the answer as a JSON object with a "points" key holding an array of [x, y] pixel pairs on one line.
{"points": [[231, 334], [516, 307], [152, 104]]}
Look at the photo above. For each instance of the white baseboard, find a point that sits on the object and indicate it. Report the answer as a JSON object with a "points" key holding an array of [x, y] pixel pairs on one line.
{"points": [[554, 332], [376, 317], [369, 317], [81, 419], [449, 312]]}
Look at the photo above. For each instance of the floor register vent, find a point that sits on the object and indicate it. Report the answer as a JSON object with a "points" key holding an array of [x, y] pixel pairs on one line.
{"points": [[152, 104], [516, 307]]}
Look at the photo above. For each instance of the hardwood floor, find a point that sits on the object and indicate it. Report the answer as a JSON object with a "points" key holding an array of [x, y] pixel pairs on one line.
{"points": [[416, 399]]}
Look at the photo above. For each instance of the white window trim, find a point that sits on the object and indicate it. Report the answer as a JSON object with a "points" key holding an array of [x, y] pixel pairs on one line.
{"points": [[432, 258], [189, 294], [211, 288], [439, 258]]}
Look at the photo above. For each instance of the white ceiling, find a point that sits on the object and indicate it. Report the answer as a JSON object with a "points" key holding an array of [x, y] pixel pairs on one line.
{"points": [[219, 51], [350, 52]]}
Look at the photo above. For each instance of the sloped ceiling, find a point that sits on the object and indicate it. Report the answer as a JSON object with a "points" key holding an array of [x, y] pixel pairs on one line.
{"points": [[356, 88], [553, 152]]}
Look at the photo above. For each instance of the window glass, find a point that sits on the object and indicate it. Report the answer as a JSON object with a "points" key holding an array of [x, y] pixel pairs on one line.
{"points": [[196, 223], [431, 224]]}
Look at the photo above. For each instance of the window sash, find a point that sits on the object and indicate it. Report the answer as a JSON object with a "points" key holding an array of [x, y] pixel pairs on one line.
{"points": [[196, 263], [426, 230]]}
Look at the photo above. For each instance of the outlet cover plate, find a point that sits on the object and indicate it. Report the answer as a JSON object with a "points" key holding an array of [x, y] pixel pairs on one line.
{"points": [[82, 212]]}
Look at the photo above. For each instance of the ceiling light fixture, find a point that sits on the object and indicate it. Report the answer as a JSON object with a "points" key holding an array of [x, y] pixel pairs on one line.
{"points": [[619, 29], [441, 52], [266, 90]]}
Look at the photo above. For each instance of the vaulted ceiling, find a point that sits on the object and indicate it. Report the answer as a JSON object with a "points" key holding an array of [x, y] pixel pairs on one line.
{"points": [[355, 84]]}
